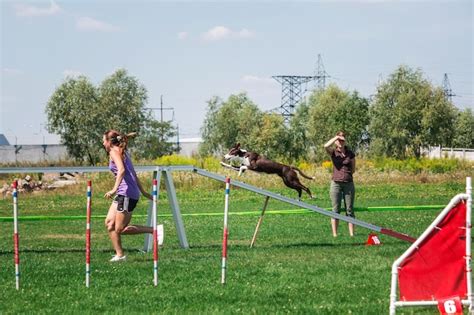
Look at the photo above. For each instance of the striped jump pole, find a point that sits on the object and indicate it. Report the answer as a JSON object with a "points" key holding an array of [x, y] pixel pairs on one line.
{"points": [[16, 238], [226, 231], [155, 234], [88, 232]]}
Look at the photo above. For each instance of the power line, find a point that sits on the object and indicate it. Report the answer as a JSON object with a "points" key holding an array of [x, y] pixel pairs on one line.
{"points": [[448, 92], [292, 90]]}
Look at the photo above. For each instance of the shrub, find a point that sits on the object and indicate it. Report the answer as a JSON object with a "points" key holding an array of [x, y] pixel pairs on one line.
{"points": [[175, 159], [210, 163], [327, 165]]}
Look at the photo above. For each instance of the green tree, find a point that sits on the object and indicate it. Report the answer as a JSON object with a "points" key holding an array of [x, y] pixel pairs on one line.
{"points": [[334, 109], [298, 139], [154, 139], [438, 117], [408, 113], [464, 130], [74, 113], [229, 122], [80, 113], [271, 138], [122, 99]]}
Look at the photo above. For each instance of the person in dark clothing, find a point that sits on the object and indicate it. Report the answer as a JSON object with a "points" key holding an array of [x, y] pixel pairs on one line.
{"points": [[342, 184]]}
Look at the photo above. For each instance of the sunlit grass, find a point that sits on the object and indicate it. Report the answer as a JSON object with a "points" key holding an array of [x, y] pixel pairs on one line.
{"points": [[296, 265]]}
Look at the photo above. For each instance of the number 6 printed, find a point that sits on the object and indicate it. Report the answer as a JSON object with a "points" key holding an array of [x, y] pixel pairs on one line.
{"points": [[450, 306]]}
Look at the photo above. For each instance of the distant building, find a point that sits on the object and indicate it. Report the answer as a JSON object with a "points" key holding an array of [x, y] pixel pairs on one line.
{"points": [[33, 153], [189, 146], [453, 153], [3, 140]]}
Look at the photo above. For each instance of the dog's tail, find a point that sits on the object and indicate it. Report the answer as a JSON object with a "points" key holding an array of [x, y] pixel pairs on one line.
{"points": [[301, 173]]}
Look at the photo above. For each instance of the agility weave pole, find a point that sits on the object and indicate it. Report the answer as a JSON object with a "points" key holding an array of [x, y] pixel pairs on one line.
{"points": [[155, 234], [226, 231], [88, 232], [436, 268], [16, 237]]}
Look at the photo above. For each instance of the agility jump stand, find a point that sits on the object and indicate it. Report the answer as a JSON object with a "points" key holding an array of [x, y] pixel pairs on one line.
{"points": [[16, 237], [165, 172], [436, 268]]}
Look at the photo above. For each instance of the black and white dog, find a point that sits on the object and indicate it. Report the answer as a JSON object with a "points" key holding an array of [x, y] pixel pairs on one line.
{"points": [[258, 163]]}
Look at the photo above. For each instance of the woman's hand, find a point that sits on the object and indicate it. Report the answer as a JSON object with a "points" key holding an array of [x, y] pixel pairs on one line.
{"points": [[147, 195], [110, 194]]}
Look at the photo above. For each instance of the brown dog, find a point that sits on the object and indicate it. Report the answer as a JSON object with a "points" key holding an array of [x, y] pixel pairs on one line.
{"points": [[258, 163]]}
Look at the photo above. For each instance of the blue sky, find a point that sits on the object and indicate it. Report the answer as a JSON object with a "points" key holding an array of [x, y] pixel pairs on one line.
{"points": [[190, 51]]}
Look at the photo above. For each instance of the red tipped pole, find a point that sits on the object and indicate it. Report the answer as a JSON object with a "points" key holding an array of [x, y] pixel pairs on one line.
{"points": [[88, 232], [226, 231], [16, 238], [155, 234]]}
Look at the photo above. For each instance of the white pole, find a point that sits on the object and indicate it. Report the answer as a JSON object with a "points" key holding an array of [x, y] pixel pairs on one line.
{"points": [[16, 238], [155, 234], [393, 289], [470, 295], [226, 231], [88, 233]]}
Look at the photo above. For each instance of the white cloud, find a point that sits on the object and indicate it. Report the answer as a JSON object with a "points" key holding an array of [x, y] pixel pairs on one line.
{"points": [[183, 35], [11, 71], [26, 10], [221, 32], [217, 33], [245, 33], [72, 73], [90, 24]]}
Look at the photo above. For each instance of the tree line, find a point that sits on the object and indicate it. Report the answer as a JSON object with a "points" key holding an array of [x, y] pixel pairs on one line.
{"points": [[406, 114]]}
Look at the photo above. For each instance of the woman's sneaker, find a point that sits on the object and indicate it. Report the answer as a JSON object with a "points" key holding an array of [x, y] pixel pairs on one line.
{"points": [[118, 258]]}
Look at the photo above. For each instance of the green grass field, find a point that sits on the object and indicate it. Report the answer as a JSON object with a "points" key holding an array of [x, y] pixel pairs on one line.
{"points": [[296, 265]]}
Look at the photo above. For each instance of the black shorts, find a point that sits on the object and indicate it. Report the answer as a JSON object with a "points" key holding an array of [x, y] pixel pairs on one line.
{"points": [[125, 204]]}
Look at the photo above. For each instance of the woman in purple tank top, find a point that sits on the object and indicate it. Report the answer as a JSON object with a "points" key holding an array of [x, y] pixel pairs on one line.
{"points": [[125, 193]]}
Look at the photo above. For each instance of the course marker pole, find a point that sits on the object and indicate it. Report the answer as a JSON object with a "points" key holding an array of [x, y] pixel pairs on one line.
{"points": [[468, 257], [155, 235], [16, 238], [226, 231], [88, 232]]}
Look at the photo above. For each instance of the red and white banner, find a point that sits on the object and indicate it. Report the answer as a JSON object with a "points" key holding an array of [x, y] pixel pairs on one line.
{"points": [[437, 269]]}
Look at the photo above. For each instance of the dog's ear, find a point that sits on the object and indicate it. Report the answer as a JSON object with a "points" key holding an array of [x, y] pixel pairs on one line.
{"points": [[237, 145]]}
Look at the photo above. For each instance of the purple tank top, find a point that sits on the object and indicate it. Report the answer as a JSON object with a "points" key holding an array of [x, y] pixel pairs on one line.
{"points": [[128, 187]]}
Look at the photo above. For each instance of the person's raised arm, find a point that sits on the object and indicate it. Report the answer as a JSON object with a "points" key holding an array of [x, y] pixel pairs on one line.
{"points": [[117, 158], [328, 145]]}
